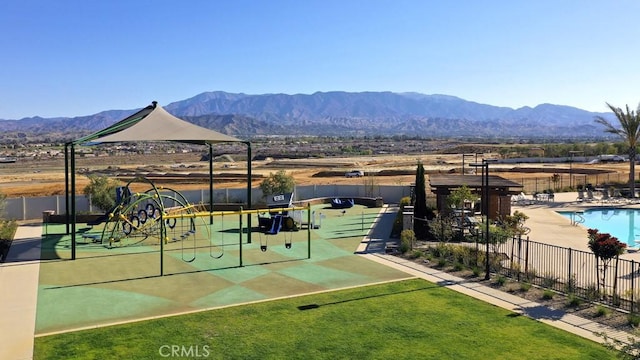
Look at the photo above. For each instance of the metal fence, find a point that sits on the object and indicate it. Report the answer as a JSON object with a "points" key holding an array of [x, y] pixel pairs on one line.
{"points": [[564, 181], [570, 271]]}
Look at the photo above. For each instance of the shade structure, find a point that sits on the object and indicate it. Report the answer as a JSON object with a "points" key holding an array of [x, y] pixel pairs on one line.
{"points": [[151, 123]]}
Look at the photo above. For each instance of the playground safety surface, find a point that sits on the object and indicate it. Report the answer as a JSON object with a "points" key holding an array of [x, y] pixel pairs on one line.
{"points": [[112, 285]]}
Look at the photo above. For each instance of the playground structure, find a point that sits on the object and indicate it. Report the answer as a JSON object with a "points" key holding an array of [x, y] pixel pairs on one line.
{"points": [[141, 218], [340, 203], [278, 220], [161, 216]]}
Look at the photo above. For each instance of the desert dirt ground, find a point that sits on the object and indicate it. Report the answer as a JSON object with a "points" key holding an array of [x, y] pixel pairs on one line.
{"points": [[44, 177]]}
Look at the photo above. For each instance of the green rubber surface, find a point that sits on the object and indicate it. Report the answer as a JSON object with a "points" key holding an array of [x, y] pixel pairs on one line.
{"points": [[106, 285]]}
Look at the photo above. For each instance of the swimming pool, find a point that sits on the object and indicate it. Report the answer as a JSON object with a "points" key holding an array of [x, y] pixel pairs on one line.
{"points": [[621, 223]]}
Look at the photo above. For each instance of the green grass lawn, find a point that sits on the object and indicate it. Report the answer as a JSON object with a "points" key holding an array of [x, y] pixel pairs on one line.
{"points": [[402, 320]]}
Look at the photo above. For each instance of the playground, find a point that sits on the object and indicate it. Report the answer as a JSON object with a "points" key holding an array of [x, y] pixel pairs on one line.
{"points": [[205, 262]]}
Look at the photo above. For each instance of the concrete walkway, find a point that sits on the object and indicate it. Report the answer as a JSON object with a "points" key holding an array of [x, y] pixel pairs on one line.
{"points": [[18, 302]]}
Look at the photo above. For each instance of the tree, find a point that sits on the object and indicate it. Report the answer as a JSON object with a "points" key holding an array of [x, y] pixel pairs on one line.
{"points": [[605, 247], [421, 212], [278, 183], [629, 131], [459, 196], [102, 191]]}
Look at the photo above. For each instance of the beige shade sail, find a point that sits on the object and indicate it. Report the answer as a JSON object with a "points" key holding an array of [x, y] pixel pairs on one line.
{"points": [[154, 123]]}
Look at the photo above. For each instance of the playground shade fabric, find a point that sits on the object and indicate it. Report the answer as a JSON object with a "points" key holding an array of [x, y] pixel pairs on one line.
{"points": [[154, 123]]}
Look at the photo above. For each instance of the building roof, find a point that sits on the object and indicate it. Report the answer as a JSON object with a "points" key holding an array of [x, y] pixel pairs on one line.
{"points": [[472, 181]]}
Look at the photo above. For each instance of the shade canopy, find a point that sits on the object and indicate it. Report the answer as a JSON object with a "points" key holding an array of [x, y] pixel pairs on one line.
{"points": [[153, 123]]}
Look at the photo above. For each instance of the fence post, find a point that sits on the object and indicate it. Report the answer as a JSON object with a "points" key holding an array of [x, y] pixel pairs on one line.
{"points": [[513, 240], [633, 289], [519, 256], [526, 259], [569, 270]]}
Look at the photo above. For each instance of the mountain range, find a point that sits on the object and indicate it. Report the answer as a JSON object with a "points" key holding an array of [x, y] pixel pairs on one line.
{"points": [[349, 114]]}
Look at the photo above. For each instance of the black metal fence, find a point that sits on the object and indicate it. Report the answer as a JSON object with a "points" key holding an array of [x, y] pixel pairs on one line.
{"points": [[564, 181], [570, 271]]}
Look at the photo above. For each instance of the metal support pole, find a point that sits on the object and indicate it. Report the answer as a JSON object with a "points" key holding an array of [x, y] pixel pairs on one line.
{"points": [[66, 187], [210, 183], [248, 191], [485, 168], [308, 230], [240, 235], [73, 202]]}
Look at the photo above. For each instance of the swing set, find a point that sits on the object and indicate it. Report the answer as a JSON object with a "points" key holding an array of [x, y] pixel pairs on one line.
{"points": [[277, 221], [164, 216]]}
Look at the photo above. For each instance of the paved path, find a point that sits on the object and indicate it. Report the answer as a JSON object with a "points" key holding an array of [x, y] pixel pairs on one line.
{"points": [[19, 298]]}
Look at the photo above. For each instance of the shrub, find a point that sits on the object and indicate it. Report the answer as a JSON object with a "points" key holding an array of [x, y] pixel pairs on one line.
{"points": [[458, 266], [570, 286], [633, 319], [476, 271], [547, 294], [591, 292], [573, 300], [278, 183], [501, 280], [415, 254], [442, 262], [442, 250], [462, 254], [525, 286], [102, 191], [7, 229], [407, 239], [602, 311]]}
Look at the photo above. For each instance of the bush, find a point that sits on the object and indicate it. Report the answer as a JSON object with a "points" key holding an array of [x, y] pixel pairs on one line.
{"points": [[547, 294], [573, 301], [501, 280], [278, 183], [407, 239], [7, 229], [602, 311], [633, 320], [525, 286], [102, 191]]}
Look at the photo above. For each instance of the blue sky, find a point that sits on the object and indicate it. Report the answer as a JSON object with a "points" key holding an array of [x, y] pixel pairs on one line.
{"points": [[79, 57]]}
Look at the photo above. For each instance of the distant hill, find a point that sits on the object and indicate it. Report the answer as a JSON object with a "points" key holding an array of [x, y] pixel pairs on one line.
{"points": [[349, 114]]}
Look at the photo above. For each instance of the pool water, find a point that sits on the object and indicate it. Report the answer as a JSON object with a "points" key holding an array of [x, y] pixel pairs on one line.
{"points": [[621, 223]]}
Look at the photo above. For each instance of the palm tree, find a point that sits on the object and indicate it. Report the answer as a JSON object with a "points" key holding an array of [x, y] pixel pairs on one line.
{"points": [[629, 131]]}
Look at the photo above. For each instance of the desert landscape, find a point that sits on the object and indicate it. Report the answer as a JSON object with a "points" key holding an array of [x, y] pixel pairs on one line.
{"points": [[44, 177]]}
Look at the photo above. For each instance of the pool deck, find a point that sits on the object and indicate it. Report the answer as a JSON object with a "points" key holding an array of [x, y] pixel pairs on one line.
{"points": [[549, 227], [21, 277]]}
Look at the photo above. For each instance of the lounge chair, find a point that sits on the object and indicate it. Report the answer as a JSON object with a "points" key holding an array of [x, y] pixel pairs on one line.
{"points": [[580, 195], [590, 195]]}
